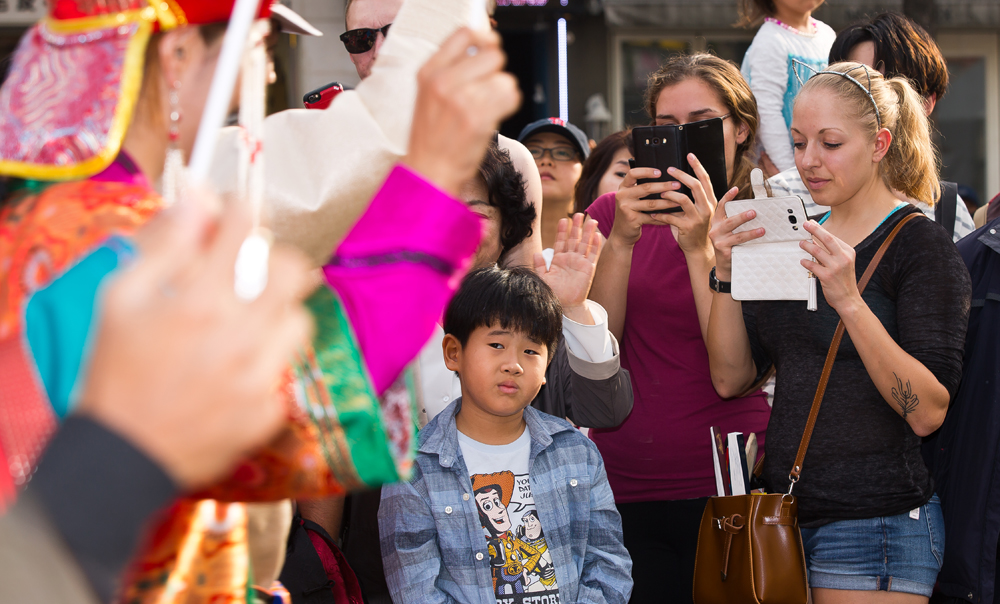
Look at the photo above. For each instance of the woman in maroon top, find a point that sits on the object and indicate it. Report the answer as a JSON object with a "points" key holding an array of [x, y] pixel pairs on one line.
{"points": [[653, 280]]}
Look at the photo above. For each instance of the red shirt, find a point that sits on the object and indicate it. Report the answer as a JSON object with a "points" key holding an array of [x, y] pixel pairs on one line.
{"points": [[663, 450]]}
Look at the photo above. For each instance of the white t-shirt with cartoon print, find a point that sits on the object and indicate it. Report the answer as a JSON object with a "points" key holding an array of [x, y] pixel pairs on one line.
{"points": [[520, 562]]}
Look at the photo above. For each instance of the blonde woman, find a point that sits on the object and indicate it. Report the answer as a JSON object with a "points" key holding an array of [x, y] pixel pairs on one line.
{"points": [[872, 526]]}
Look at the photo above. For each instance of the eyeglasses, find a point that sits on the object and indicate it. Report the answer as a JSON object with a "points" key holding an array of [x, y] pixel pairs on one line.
{"points": [[358, 41], [557, 153]]}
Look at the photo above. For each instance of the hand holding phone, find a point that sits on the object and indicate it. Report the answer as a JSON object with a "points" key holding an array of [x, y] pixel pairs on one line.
{"points": [[769, 267]]}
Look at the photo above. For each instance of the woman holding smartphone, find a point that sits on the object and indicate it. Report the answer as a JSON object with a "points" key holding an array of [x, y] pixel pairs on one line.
{"points": [[653, 280], [871, 523]]}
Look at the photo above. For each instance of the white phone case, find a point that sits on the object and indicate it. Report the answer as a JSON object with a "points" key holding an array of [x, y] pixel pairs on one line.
{"points": [[770, 268]]}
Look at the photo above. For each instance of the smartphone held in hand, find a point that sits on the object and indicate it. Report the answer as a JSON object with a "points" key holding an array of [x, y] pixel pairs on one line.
{"points": [[322, 97], [668, 146], [770, 267]]}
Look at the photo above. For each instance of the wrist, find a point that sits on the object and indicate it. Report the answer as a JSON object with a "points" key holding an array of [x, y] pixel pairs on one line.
{"points": [[850, 310], [619, 242], [703, 255], [717, 285], [439, 175], [579, 313]]}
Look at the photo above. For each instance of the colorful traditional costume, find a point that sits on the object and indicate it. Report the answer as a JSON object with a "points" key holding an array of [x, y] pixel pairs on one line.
{"points": [[63, 115]]}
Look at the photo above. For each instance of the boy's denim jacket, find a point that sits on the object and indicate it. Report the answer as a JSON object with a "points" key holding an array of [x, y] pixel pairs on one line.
{"points": [[434, 547]]}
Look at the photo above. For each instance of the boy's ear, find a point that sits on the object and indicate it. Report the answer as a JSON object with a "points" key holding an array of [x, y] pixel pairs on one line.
{"points": [[452, 350]]}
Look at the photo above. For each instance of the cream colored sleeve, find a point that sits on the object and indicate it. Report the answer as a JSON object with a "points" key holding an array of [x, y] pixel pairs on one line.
{"points": [[322, 167], [524, 253]]}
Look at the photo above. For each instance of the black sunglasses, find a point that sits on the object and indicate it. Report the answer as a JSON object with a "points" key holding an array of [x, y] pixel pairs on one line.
{"points": [[362, 40]]}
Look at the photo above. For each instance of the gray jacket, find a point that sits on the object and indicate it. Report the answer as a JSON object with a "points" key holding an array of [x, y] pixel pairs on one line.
{"points": [[591, 395]]}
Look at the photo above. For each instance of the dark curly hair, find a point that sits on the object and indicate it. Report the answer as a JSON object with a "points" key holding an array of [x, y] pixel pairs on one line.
{"points": [[902, 48], [505, 192]]}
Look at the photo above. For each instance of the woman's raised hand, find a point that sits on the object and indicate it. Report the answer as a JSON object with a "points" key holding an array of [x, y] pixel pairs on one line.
{"points": [[463, 95], [723, 238], [694, 222], [630, 205], [833, 266]]}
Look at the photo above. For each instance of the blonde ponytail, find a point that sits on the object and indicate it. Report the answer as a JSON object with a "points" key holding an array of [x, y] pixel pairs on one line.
{"points": [[911, 163]]}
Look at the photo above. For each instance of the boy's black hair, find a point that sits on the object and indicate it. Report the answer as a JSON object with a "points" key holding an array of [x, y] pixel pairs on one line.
{"points": [[505, 192], [513, 298]]}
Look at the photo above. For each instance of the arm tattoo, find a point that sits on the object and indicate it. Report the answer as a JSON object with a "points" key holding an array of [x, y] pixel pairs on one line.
{"points": [[905, 398]]}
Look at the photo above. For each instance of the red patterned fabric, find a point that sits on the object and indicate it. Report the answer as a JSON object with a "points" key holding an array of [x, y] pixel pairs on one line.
{"points": [[26, 420], [214, 11], [39, 123], [75, 9], [41, 235], [74, 82], [195, 12], [198, 551]]}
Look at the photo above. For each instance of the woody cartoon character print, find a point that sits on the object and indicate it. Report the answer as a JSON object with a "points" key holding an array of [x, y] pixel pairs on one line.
{"points": [[519, 558]]}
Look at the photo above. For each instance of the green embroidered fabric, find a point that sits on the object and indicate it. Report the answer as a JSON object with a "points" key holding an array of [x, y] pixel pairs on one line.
{"points": [[380, 433]]}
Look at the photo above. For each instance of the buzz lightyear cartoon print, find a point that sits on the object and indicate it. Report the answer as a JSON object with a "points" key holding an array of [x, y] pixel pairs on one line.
{"points": [[519, 558]]}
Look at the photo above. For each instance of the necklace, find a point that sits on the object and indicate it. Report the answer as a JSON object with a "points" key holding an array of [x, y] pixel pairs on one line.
{"points": [[812, 24]]}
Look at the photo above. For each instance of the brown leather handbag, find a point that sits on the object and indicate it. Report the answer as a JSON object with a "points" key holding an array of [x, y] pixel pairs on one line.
{"points": [[749, 546]]}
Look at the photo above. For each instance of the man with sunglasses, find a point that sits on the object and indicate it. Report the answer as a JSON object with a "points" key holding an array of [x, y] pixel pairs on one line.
{"points": [[559, 149], [368, 23]]}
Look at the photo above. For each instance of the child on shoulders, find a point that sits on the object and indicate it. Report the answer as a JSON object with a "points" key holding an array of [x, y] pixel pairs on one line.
{"points": [[507, 504], [788, 34]]}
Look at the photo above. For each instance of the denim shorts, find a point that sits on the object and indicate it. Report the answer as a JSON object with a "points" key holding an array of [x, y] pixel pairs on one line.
{"points": [[890, 553]]}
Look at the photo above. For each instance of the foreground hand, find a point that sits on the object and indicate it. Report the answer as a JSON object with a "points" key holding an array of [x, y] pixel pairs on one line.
{"points": [[182, 368], [833, 266], [577, 249], [693, 223], [461, 100]]}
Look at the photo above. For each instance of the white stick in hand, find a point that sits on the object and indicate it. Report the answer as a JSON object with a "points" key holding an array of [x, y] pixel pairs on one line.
{"points": [[478, 18], [221, 92], [252, 261]]}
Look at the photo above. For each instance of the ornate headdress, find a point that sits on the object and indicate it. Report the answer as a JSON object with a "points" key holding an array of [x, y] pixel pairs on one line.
{"points": [[75, 80]]}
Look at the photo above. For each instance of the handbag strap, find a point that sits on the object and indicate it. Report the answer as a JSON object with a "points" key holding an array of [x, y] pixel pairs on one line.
{"points": [[793, 476]]}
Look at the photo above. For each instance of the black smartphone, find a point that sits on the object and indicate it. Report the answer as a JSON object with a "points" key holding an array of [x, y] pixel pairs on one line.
{"points": [[663, 147]]}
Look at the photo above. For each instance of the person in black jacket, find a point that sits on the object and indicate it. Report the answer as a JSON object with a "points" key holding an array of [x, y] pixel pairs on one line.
{"points": [[963, 454]]}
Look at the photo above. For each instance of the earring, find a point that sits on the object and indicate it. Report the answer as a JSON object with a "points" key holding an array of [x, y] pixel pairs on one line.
{"points": [[173, 168]]}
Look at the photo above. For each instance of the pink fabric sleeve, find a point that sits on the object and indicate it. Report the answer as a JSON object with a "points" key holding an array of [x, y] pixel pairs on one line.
{"points": [[398, 268], [603, 211]]}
